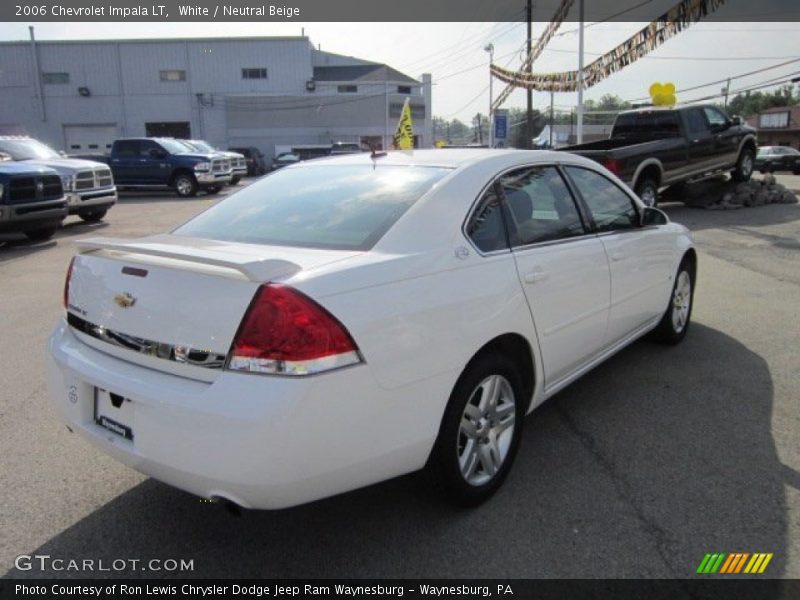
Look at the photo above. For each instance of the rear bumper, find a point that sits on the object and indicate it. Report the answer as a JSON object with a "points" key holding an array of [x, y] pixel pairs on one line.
{"points": [[262, 442], [24, 217], [103, 198]]}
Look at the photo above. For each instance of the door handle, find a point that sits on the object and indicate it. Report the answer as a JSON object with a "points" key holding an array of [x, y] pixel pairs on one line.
{"points": [[534, 276], [616, 256]]}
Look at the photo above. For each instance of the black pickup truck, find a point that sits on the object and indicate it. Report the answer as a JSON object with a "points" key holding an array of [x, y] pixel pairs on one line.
{"points": [[31, 200], [652, 148]]}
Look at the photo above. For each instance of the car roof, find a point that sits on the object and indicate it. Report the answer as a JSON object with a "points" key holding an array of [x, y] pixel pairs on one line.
{"points": [[450, 158]]}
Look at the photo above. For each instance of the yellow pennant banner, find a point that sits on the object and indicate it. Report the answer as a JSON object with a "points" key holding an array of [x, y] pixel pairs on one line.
{"points": [[404, 135]]}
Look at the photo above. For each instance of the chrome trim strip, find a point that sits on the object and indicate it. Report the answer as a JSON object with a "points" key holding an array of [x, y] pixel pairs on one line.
{"points": [[172, 352]]}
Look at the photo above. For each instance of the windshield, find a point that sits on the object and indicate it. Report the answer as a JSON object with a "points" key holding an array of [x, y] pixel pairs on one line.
{"points": [[201, 146], [27, 150], [175, 146], [347, 207]]}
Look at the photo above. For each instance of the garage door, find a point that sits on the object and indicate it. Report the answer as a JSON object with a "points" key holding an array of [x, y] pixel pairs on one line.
{"points": [[89, 138]]}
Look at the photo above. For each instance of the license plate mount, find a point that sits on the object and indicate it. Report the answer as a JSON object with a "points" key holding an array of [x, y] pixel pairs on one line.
{"points": [[114, 413]]}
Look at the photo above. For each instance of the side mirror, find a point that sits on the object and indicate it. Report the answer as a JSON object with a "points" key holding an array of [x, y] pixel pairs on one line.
{"points": [[737, 120], [652, 216]]}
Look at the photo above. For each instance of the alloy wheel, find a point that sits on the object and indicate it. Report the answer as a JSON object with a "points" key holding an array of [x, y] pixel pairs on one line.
{"points": [[486, 430], [681, 301]]}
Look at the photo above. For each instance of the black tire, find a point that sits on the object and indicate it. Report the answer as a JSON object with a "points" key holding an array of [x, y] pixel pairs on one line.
{"points": [[41, 234], [668, 331], [185, 185], [93, 216], [744, 165], [444, 464], [647, 190], [236, 180]]}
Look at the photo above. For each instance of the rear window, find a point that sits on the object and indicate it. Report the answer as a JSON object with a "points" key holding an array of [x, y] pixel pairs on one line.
{"points": [[347, 207], [647, 124]]}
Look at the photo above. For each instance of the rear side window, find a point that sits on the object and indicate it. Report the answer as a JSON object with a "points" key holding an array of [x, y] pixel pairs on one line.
{"points": [[126, 148], [611, 208], [347, 207], [541, 206], [486, 228], [696, 121]]}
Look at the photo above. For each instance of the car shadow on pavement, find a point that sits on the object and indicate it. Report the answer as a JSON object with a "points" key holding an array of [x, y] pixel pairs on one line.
{"points": [[655, 458], [698, 219], [16, 245]]}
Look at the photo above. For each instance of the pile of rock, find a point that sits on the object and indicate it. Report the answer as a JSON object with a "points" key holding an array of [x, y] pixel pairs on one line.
{"points": [[722, 193]]}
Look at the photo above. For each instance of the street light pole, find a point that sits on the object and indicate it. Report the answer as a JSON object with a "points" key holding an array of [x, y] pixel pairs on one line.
{"points": [[580, 72], [490, 49]]}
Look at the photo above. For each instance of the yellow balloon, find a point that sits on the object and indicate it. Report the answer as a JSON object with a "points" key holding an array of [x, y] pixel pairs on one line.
{"points": [[655, 90], [669, 99], [668, 88], [658, 100]]}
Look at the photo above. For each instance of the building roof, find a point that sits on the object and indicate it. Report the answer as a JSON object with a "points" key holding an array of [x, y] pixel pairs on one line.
{"points": [[372, 73], [191, 40]]}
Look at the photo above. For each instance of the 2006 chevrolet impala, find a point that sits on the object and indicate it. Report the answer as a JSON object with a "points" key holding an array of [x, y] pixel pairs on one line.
{"points": [[348, 320]]}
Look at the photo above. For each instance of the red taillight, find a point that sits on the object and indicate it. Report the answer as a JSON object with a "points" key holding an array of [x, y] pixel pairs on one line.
{"points": [[612, 164], [285, 332], [66, 282]]}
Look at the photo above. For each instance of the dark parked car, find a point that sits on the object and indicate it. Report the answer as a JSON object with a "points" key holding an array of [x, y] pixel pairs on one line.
{"points": [[778, 158], [651, 148], [284, 159], [165, 162], [256, 165], [31, 200]]}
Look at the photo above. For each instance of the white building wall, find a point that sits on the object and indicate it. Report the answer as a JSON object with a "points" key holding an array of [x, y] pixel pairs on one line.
{"points": [[126, 91]]}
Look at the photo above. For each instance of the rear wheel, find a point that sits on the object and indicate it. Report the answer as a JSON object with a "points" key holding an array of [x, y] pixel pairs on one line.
{"points": [[236, 180], [480, 430], [744, 165], [92, 216], [41, 234], [185, 185], [675, 322], [647, 190]]}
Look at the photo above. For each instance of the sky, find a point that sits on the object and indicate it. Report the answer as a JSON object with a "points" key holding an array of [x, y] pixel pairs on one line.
{"points": [[454, 53]]}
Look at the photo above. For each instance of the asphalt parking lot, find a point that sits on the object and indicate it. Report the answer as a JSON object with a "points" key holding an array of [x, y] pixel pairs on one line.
{"points": [[637, 470]]}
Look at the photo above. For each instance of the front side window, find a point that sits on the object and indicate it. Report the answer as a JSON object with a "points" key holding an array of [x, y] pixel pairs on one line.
{"points": [[347, 89], [340, 207], [715, 118], [611, 208], [540, 205], [148, 148]]}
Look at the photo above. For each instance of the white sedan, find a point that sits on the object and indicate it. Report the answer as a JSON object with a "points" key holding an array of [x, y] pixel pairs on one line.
{"points": [[347, 320]]}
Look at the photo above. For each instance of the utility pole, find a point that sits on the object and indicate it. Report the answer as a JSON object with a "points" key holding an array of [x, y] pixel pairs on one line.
{"points": [[490, 49], [580, 72], [726, 90], [529, 117], [552, 95]]}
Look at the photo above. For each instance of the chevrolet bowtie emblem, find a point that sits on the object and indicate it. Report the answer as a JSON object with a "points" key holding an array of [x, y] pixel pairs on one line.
{"points": [[125, 300]]}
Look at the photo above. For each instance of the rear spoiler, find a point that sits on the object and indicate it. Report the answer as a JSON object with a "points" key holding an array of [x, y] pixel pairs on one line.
{"points": [[194, 250]]}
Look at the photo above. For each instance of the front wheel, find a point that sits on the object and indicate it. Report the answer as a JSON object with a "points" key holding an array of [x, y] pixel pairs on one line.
{"points": [[675, 322], [744, 165], [185, 185], [480, 431], [236, 180], [647, 190]]}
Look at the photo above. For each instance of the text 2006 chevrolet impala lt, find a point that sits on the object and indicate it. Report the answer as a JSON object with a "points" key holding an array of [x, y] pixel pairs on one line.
{"points": [[348, 320]]}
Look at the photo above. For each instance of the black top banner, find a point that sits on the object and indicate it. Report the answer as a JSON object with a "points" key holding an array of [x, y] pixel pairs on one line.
{"points": [[32, 11]]}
